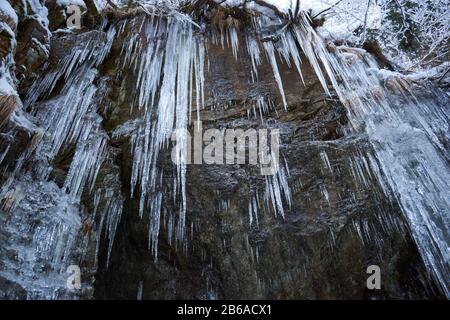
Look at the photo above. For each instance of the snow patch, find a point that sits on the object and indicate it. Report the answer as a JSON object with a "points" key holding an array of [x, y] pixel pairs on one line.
{"points": [[6, 9], [39, 11], [5, 88], [66, 3]]}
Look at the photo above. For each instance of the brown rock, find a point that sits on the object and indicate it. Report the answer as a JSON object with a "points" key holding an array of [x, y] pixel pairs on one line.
{"points": [[7, 106]]}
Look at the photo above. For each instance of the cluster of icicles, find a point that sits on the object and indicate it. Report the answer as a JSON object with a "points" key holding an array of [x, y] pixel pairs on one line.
{"points": [[169, 58]]}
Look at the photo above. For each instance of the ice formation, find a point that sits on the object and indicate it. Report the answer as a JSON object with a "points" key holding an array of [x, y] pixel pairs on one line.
{"points": [[168, 57]]}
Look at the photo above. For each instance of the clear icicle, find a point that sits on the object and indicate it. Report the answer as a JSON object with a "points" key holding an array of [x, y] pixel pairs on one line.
{"points": [[178, 58], [255, 56], [234, 41], [277, 188], [270, 51]]}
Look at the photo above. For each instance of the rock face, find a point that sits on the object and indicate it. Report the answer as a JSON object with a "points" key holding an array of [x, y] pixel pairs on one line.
{"points": [[337, 226], [67, 198]]}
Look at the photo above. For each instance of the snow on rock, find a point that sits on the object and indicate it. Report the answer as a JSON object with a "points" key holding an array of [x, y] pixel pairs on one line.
{"points": [[5, 88], [39, 11], [305, 5], [7, 10], [282, 6], [342, 20], [413, 34], [7, 50], [66, 3]]}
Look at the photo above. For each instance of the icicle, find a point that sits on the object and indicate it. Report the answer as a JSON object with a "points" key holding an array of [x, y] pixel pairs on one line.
{"points": [[234, 41], [155, 218], [91, 55], [113, 214], [290, 49], [255, 56], [42, 232], [63, 116], [277, 188], [270, 51], [325, 194], [253, 206], [140, 290], [417, 172], [89, 155], [326, 161], [179, 59]]}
